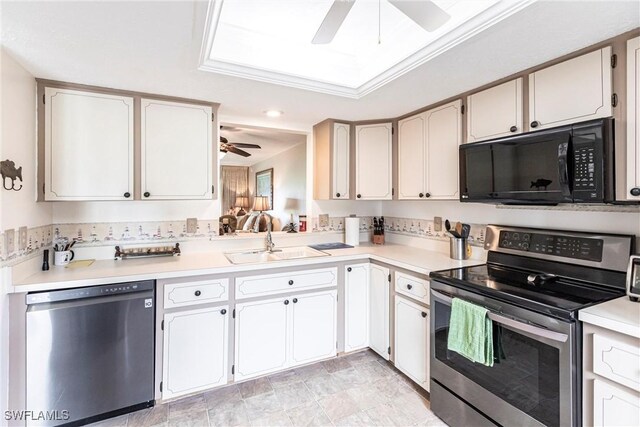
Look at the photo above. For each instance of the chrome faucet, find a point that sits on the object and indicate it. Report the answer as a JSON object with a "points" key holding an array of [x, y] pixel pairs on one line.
{"points": [[269, 245]]}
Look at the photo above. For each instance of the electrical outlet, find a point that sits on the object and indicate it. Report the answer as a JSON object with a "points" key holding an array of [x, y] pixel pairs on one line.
{"points": [[192, 225], [22, 238], [9, 241], [324, 220], [437, 223]]}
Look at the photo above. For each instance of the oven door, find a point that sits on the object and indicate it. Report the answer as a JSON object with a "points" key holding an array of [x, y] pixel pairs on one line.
{"points": [[533, 380]]}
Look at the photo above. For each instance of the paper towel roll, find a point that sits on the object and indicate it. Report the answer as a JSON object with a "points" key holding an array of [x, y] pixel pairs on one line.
{"points": [[352, 231]]}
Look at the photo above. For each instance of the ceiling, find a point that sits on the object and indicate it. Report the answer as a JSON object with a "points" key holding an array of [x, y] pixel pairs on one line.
{"points": [[272, 143], [156, 47]]}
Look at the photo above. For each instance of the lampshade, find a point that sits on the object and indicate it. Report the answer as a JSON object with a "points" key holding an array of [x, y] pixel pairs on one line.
{"points": [[292, 205], [242, 202], [261, 203]]}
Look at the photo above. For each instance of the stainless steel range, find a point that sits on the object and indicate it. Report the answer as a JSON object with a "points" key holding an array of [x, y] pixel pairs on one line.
{"points": [[534, 283]]}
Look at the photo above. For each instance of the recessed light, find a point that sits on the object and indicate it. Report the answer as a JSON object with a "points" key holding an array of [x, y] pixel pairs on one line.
{"points": [[273, 113]]}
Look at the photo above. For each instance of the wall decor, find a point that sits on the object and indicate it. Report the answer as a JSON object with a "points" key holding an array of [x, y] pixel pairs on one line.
{"points": [[264, 184], [8, 170]]}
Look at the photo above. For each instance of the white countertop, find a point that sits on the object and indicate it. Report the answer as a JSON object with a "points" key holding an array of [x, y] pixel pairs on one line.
{"points": [[214, 262], [619, 315]]}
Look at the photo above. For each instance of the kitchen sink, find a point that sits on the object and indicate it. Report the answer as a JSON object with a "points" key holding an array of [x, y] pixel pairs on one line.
{"points": [[258, 256]]}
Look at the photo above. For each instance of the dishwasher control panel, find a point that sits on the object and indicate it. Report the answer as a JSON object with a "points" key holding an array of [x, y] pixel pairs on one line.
{"points": [[88, 292]]}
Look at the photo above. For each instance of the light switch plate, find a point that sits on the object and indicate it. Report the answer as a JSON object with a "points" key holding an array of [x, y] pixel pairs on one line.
{"points": [[323, 220], [437, 223], [192, 225], [22, 238], [9, 241]]}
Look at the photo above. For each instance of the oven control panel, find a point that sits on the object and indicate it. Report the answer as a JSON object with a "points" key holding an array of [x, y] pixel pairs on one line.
{"points": [[589, 249]]}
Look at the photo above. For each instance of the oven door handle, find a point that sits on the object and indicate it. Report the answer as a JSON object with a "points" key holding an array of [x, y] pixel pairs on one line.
{"points": [[514, 324]]}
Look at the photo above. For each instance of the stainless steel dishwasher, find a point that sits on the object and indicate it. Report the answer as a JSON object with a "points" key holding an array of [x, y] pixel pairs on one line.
{"points": [[90, 352]]}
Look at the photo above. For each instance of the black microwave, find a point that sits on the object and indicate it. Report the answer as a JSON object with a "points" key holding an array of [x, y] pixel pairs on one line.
{"points": [[567, 164]]}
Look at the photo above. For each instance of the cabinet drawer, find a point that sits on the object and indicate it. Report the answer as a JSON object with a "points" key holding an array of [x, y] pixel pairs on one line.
{"points": [[195, 292], [614, 406], [413, 287], [267, 284], [617, 361]]}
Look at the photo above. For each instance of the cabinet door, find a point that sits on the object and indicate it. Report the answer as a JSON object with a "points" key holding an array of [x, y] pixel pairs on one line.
{"points": [[313, 334], [411, 158], [356, 310], [573, 91], [412, 341], [88, 146], [495, 112], [177, 157], [633, 120], [379, 310], [195, 351], [340, 158], [614, 406], [261, 337], [373, 162], [444, 135]]}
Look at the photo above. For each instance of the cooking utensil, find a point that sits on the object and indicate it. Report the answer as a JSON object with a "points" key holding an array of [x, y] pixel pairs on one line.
{"points": [[459, 228], [447, 225], [466, 229]]}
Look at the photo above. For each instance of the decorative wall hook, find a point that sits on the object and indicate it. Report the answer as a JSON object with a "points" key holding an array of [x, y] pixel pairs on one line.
{"points": [[8, 170]]}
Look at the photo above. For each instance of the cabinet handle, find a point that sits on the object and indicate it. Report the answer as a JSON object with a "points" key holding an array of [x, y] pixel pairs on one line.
{"points": [[513, 129], [290, 282], [197, 293], [295, 300], [635, 191], [127, 195], [223, 311], [409, 287], [424, 314], [349, 269], [359, 196], [146, 194], [535, 123], [337, 194], [421, 195], [286, 302], [427, 195]]}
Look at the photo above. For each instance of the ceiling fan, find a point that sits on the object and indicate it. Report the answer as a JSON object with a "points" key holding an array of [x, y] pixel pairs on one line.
{"points": [[425, 13], [234, 147]]}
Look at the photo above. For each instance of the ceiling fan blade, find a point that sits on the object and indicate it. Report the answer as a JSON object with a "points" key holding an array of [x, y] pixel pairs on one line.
{"points": [[243, 145], [427, 14], [234, 150], [332, 21]]}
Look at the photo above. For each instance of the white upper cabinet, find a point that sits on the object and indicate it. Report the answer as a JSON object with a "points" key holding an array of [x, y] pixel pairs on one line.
{"points": [[88, 146], [495, 112], [428, 153], [373, 162], [340, 157], [572, 91], [332, 145], [633, 120], [379, 310], [176, 150]]}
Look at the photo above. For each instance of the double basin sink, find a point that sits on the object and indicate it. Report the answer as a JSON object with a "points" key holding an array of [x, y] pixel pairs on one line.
{"points": [[258, 256]]}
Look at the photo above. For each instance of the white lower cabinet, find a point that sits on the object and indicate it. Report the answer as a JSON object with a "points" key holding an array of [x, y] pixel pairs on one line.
{"points": [[195, 351], [614, 405], [278, 333], [412, 340], [379, 310], [356, 309]]}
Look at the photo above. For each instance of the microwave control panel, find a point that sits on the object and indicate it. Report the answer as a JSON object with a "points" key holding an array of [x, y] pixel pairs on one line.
{"points": [[584, 168]]}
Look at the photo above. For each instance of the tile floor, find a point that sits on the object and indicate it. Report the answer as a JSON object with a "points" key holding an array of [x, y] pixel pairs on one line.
{"points": [[360, 389]]}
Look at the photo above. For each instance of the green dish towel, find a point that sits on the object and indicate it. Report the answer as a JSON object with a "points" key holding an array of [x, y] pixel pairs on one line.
{"points": [[471, 332]]}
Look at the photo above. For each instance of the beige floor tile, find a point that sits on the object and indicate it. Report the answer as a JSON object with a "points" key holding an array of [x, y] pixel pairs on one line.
{"points": [[120, 421], [361, 357], [349, 378], [308, 414], [387, 415], [373, 370], [223, 399], [311, 371], [367, 397], [390, 387], [261, 405], [187, 406], [283, 379], [192, 419], [338, 406], [235, 417], [149, 417], [358, 419], [413, 406], [324, 385], [294, 395], [275, 419], [254, 387], [337, 364]]}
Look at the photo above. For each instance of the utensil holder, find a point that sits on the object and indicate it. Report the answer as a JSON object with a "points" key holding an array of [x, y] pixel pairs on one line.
{"points": [[459, 248]]}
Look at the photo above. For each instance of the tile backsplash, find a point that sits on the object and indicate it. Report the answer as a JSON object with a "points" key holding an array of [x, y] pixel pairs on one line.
{"points": [[425, 228], [38, 238]]}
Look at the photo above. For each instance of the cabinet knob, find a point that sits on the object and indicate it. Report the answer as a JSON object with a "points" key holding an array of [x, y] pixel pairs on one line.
{"points": [[535, 123], [286, 302], [635, 191], [421, 195], [513, 129], [409, 287], [197, 293], [424, 314], [359, 196], [295, 300], [146, 194], [337, 194], [290, 282], [127, 195], [427, 195], [223, 311], [349, 269]]}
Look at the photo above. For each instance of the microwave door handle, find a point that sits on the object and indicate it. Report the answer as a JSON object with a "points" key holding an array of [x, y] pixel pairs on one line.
{"points": [[563, 168], [511, 323]]}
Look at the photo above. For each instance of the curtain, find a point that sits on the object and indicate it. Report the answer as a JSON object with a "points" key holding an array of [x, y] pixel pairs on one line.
{"points": [[234, 181]]}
